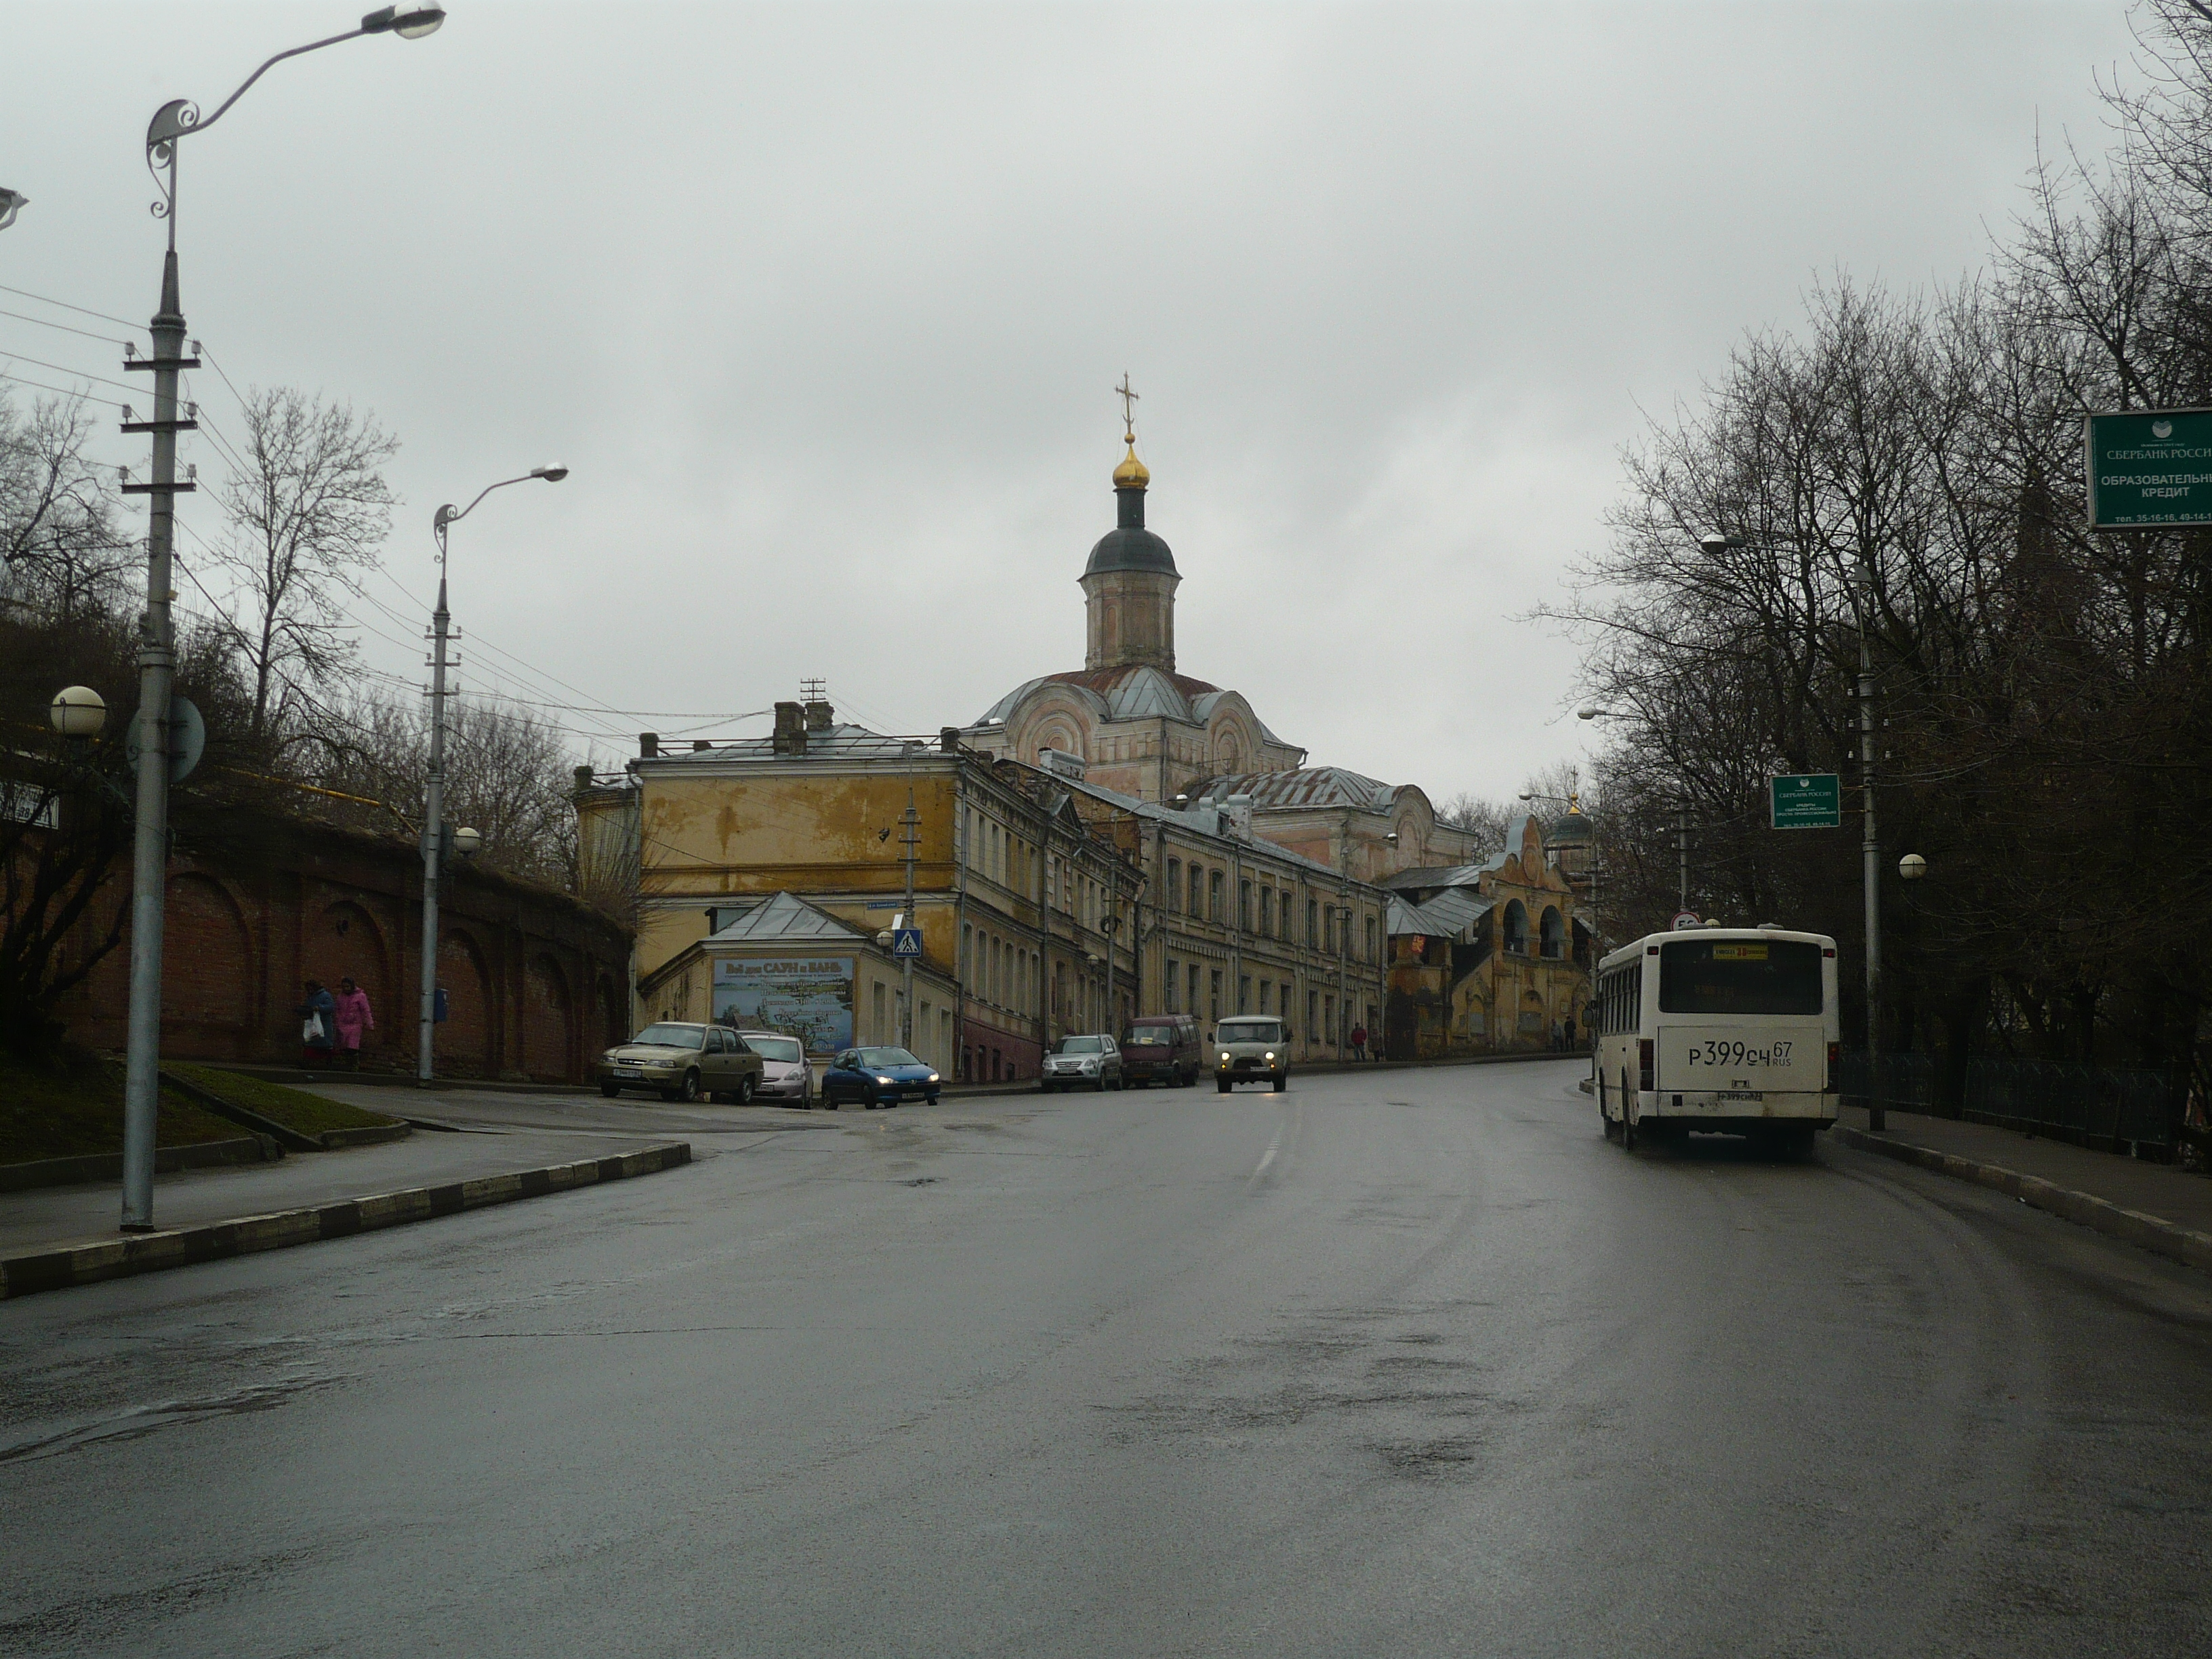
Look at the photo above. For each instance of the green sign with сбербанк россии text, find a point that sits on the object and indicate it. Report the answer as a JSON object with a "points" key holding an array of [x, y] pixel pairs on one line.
{"points": [[2148, 467], [1805, 800]]}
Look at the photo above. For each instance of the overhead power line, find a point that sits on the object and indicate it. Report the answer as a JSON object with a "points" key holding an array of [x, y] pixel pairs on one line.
{"points": [[83, 311]]}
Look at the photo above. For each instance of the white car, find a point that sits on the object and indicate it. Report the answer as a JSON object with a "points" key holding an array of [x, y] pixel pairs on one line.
{"points": [[785, 1074], [1091, 1061]]}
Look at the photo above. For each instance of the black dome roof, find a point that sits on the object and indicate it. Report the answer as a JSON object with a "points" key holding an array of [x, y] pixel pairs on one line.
{"points": [[1130, 548]]}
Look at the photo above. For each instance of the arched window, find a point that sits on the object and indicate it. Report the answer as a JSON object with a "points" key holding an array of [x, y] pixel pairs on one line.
{"points": [[1197, 891], [1515, 929], [1552, 932], [1214, 884], [1174, 884]]}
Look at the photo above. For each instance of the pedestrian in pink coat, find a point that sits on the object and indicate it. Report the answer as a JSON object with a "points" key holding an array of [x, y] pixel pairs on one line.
{"points": [[355, 1017]]}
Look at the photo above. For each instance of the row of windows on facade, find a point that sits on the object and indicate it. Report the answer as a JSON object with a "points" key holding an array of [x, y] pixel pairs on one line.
{"points": [[1018, 867], [1187, 993], [1001, 971], [1205, 893]]}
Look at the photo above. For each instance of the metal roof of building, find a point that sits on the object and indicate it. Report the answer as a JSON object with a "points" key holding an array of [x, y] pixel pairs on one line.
{"points": [[1132, 691], [784, 919], [1448, 916], [1306, 786]]}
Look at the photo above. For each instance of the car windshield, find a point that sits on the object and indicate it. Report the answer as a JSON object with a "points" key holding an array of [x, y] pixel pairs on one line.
{"points": [[665, 1036], [1251, 1030], [887, 1057], [785, 1050], [1078, 1046], [1740, 976], [1143, 1035]]}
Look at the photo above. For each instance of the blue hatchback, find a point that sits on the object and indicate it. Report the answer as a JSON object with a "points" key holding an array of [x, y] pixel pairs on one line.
{"points": [[877, 1077]]}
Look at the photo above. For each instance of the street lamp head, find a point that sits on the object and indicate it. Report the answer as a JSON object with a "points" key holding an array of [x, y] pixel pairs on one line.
{"points": [[12, 202], [468, 842], [1912, 866], [78, 711], [551, 474], [1525, 795], [1716, 542], [1589, 713], [408, 23]]}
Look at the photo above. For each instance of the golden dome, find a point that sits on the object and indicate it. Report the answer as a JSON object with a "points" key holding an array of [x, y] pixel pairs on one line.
{"points": [[1132, 474]]}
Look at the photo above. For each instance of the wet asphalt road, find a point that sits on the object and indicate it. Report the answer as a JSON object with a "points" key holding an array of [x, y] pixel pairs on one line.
{"points": [[1409, 1364]]}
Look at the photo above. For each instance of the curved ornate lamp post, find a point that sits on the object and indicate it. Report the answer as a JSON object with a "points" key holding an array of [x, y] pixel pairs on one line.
{"points": [[172, 123], [12, 202], [465, 842]]}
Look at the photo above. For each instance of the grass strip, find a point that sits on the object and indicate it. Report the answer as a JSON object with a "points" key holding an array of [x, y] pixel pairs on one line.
{"points": [[295, 1109]]}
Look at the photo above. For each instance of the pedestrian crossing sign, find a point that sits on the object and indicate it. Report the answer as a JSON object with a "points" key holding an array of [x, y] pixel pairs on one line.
{"points": [[907, 942]]}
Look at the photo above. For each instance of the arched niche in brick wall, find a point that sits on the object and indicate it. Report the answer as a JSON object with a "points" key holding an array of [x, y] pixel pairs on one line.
{"points": [[207, 969], [465, 1040], [345, 939], [614, 1012], [549, 1048]]}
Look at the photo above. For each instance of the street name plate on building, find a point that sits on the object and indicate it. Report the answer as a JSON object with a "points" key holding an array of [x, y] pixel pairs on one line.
{"points": [[907, 942], [1808, 800], [2149, 467]]}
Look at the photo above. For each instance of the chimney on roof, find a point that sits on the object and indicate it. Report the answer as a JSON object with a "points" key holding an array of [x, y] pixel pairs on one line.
{"points": [[648, 744], [948, 739], [583, 776], [1236, 816], [698, 743], [790, 729], [820, 717]]}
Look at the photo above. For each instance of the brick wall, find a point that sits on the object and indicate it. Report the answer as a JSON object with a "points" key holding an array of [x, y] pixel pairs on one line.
{"points": [[535, 981]]}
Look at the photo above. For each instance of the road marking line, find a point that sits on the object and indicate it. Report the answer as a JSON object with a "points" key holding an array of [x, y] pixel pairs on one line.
{"points": [[1273, 1147]]}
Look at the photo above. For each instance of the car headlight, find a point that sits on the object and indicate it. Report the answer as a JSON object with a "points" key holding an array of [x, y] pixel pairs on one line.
{"points": [[1271, 1057], [933, 1077], [882, 1079]]}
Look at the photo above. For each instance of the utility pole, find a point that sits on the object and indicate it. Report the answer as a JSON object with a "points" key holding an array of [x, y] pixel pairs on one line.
{"points": [[909, 837], [157, 661], [1682, 856], [150, 849], [434, 822], [434, 825], [1871, 856]]}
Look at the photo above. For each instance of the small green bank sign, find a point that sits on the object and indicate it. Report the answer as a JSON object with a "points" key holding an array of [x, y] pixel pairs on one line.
{"points": [[2150, 466], [1808, 800]]}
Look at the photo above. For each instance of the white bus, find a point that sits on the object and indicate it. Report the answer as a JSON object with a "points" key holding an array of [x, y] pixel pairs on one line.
{"points": [[1725, 1028]]}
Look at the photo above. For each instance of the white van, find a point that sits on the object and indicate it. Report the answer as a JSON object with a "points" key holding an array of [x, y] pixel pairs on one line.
{"points": [[1727, 1029]]}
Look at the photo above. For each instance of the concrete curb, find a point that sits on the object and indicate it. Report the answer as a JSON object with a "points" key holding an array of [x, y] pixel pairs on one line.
{"points": [[61, 1266], [2148, 1232]]}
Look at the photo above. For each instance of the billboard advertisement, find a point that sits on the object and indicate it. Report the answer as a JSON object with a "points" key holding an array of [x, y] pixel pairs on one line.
{"points": [[810, 998]]}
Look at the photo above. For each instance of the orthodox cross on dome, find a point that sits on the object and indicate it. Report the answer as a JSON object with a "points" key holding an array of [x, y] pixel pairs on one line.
{"points": [[1129, 400]]}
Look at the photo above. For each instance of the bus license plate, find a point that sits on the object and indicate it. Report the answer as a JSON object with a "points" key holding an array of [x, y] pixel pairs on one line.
{"points": [[1741, 1094]]}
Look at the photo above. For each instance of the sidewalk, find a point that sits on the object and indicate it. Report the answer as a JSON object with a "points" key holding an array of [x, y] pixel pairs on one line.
{"points": [[55, 1235], [2155, 1206]]}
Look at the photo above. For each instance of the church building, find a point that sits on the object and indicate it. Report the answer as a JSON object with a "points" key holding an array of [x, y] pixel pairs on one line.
{"points": [[1138, 728]]}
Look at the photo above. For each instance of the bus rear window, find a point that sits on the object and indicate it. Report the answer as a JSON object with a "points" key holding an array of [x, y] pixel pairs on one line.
{"points": [[1740, 976]]}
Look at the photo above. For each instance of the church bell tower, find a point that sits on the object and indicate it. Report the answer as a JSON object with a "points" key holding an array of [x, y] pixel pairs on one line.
{"points": [[1128, 586]]}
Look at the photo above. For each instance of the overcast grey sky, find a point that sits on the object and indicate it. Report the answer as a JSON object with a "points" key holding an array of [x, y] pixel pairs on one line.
{"points": [[824, 303]]}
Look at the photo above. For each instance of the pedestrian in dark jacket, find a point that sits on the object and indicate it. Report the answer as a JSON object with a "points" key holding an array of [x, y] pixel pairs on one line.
{"points": [[319, 1028]]}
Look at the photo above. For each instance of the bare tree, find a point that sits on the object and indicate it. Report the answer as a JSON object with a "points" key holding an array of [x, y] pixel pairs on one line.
{"points": [[1485, 817], [508, 776], [307, 510], [62, 553]]}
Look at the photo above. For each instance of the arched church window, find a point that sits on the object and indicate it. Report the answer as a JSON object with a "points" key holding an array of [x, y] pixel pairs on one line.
{"points": [[1516, 928], [1552, 931]]}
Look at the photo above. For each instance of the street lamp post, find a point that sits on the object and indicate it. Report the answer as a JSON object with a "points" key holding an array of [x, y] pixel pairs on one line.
{"points": [[433, 803], [12, 202], [172, 124]]}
